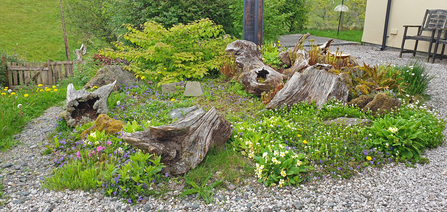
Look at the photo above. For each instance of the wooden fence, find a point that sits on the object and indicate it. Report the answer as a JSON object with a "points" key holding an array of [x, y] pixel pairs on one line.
{"points": [[48, 73]]}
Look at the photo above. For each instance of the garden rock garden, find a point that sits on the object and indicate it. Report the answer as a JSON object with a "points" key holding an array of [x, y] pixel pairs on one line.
{"points": [[272, 129]]}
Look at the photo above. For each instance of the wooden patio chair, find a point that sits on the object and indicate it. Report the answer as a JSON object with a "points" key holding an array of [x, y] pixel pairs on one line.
{"points": [[439, 40], [433, 21]]}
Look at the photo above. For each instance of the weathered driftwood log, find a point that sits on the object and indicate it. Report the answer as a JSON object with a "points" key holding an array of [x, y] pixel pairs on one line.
{"points": [[325, 46], [183, 144], [315, 83], [84, 106], [257, 77], [302, 58]]}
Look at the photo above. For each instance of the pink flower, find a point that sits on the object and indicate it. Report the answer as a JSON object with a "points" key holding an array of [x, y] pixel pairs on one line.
{"points": [[89, 154], [109, 142], [78, 154], [93, 152], [100, 148]]}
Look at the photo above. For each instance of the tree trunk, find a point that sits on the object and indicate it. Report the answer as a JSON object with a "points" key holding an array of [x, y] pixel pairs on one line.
{"points": [[314, 84], [84, 106], [185, 143], [257, 77]]}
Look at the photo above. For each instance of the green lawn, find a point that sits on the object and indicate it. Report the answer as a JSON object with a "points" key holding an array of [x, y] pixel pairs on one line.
{"points": [[35, 25], [349, 35]]}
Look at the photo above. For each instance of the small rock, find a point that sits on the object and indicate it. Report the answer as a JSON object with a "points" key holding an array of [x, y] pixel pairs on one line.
{"points": [[18, 201], [193, 89], [147, 207], [298, 205], [195, 206], [231, 187], [331, 204], [348, 205], [249, 205], [7, 165]]}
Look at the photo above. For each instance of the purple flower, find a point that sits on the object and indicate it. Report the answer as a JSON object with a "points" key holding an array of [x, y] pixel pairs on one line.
{"points": [[129, 200], [153, 180], [391, 148], [321, 161], [339, 168], [241, 133], [140, 198], [166, 174]]}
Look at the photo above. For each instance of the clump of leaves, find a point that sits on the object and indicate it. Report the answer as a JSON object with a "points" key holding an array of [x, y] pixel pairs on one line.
{"points": [[168, 55], [381, 77], [270, 54], [204, 191]]}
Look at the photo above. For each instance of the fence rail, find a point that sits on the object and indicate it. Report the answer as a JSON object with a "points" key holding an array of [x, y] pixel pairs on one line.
{"points": [[48, 73]]}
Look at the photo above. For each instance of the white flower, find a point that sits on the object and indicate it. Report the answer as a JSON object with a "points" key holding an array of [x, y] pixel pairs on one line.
{"points": [[9, 90], [298, 163], [19, 106], [281, 183], [120, 150], [265, 154], [93, 134], [282, 154], [283, 173], [118, 102]]}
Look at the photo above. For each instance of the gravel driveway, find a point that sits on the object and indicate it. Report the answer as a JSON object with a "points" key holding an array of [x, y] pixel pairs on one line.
{"points": [[394, 188]]}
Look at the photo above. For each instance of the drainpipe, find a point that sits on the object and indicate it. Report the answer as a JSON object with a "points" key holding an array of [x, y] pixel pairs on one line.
{"points": [[385, 30]]}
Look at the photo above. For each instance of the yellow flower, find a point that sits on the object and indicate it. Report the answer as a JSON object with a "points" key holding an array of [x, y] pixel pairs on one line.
{"points": [[6, 88], [54, 86], [279, 41], [26, 95], [13, 93], [3, 94], [172, 100], [55, 89], [298, 135], [95, 87], [304, 142], [41, 90], [143, 77], [164, 68], [40, 85], [368, 158], [159, 72]]}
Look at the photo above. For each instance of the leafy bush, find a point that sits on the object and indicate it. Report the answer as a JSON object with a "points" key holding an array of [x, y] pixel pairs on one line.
{"points": [[168, 55], [408, 133], [279, 164]]}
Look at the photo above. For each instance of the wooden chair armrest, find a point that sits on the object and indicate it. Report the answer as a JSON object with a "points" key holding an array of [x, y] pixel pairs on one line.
{"points": [[412, 25]]}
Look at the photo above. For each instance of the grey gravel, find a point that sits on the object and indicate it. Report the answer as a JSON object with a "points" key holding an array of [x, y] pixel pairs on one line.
{"points": [[394, 188]]}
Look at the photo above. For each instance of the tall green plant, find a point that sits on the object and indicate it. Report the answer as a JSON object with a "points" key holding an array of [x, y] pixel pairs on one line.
{"points": [[167, 55]]}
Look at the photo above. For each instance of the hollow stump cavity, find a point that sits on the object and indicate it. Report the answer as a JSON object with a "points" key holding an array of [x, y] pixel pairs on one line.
{"points": [[84, 106]]}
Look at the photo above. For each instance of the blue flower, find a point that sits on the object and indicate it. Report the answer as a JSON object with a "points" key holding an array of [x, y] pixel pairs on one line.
{"points": [[129, 200]]}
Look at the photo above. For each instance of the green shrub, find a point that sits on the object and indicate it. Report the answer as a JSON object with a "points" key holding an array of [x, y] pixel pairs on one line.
{"points": [[168, 55], [416, 78]]}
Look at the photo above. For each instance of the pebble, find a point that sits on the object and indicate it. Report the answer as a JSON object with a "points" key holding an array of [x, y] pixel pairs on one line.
{"points": [[399, 187]]}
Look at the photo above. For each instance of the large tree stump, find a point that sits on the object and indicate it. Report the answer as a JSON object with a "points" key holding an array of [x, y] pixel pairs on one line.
{"points": [[84, 106], [257, 77], [183, 144], [315, 83]]}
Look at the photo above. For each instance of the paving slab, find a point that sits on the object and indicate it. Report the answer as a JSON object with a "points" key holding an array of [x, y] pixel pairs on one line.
{"points": [[193, 89], [291, 40]]}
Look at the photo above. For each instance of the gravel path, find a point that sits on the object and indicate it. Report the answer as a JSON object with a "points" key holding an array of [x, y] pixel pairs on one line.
{"points": [[394, 188]]}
